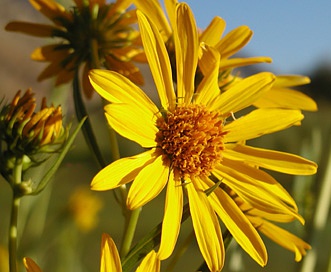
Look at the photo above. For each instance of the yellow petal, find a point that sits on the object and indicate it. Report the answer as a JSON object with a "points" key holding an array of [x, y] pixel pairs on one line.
{"points": [[243, 94], [208, 89], [260, 122], [257, 176], [151, 263], [232, 42], [254, 193], [148, 184], [239, 62], [51, 10], [172, 218], [37, 30], [187, 46], [291, 80], [118, 89], [284, 239], [238, 224], [30, 265], [214, 31], [121, 171], [125, 68], [156, 14], [286, 98], [132, 122], [273, 160], [49, 53], [158, 61], [206, 228], [110, 259], [170, 6]]}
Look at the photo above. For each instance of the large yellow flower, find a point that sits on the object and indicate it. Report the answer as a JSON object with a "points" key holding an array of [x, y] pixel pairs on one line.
{"points": [[110, 260], [194, 142], [94, 33]]}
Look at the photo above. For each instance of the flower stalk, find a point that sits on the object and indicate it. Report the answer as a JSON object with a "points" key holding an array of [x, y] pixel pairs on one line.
{"points": [[12, 239]]}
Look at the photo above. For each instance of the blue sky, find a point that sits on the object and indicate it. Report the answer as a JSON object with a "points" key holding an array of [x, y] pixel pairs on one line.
{"points": [[296, 34]]}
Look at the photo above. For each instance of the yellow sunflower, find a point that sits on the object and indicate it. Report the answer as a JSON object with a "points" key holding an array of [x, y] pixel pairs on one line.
{"points": [[194, 142], [93, 33], [228, 46], [110, 260]]}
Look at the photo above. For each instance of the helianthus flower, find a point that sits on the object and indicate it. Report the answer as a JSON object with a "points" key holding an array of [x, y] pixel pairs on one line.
{"points": [[110, 260], [228, 45], [193, 141], [93, 33]]}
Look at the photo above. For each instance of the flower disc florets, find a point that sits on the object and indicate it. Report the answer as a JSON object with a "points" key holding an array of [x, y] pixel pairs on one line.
{"points": [[192, 138]]}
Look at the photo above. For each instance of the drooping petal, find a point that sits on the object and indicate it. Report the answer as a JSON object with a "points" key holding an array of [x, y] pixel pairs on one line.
{"points": [[286, 98], [110, 259], [232, 42], [186, 47], [260, 122], [172, 218], [282, 237], [148, 184], [121, 171], [206, 228], [237, 223], [243, 94], [151, 263], [254, 193], [118, 89], [214, 31], [133, 122], [158, 61], [30, 265], [273, 160], [37, 30]]}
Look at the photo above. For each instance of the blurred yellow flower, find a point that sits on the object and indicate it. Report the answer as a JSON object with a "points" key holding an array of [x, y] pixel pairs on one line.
{"points": [[110, 260], [194, 143], [93, 33], [84, 207]]}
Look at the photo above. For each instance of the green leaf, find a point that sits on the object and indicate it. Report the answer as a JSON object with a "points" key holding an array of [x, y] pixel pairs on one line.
{"points": [[47, 177]]}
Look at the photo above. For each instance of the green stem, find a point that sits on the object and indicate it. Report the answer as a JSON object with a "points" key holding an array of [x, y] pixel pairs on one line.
{"points": [[87, 127], [130, 228], [114, 149], [12, 246], [12, 243]]}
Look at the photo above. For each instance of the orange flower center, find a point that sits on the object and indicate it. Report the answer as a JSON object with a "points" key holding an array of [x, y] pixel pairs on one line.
{"points": [[192, 138]]}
